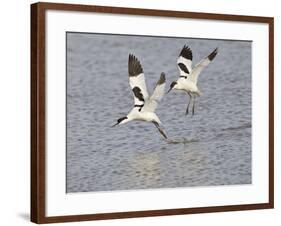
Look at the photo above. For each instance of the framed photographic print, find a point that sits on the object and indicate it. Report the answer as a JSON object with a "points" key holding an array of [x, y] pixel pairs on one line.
{"points": [[140, 112]]}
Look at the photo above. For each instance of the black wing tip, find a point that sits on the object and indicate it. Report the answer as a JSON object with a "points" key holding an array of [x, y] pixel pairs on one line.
{"points": [[132, 57], [213, 54], [134, 66], [186, 52], [162, 79]]}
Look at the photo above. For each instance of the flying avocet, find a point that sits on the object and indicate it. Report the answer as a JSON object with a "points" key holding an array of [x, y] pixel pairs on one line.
{"points": [[145, 105], [189, 76]]}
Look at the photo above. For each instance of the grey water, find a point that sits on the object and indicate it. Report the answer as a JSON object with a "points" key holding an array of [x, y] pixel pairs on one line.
{"points": [[211, 148]]}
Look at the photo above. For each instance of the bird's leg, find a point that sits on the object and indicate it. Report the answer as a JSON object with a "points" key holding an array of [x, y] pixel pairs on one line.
{"points": [[159, 129], [190, 97], [193, 105]]}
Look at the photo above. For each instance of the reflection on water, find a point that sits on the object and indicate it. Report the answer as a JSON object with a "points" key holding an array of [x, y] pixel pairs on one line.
{"points": [[213, 147]]}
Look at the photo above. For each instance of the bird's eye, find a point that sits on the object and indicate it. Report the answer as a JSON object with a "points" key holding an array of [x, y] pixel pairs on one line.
{"points": [[121, 119]]}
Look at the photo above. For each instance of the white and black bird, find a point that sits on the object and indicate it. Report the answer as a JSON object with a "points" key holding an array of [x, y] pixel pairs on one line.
{"points": [[145, 105], [189, 76]]}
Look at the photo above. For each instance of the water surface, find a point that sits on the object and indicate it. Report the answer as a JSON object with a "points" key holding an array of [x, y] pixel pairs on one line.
{"points": [[213, 147]]}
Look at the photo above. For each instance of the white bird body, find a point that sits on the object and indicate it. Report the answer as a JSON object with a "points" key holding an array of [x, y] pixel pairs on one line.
{"points": [[189, 76], [145, 105], [135, 114], [188, 86]]}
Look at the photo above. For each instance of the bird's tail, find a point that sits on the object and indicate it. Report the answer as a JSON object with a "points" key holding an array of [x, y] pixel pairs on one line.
{"points": [[199, 93]]}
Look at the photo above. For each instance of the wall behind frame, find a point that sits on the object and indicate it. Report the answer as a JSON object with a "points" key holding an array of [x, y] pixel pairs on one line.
{"points": [[15, 106]]}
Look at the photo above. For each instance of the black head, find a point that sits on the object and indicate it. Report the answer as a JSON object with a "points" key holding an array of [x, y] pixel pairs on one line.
{"points": [[120, 120], [172, 86]]}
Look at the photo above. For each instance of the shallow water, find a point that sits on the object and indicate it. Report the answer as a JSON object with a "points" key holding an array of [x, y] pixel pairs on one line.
{"points": [[213, 147]]}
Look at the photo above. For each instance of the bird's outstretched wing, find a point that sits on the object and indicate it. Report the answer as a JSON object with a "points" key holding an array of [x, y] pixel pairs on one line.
{"points": [[202, 64], [185, 61], [137, 80], [157, 94]]}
